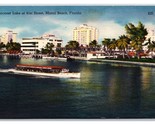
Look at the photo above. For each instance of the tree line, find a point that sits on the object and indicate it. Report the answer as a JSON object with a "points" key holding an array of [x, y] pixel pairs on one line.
{"points": [[133, 39]]}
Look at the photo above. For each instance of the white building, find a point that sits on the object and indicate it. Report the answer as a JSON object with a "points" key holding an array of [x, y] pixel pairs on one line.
{"points": [[98, 55], [9, 36], [85, 34], [30, 45], [52, 38]]}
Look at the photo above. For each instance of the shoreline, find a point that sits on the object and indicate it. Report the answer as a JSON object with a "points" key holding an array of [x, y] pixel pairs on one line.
{"points": [[124, 62], [148, 64], [111, 61]]}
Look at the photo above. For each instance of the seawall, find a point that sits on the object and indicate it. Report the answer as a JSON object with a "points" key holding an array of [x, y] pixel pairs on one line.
{"points": [[123, 62]]}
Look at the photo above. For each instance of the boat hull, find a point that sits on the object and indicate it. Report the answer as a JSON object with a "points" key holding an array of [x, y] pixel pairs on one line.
{"points": [[60, 75]]}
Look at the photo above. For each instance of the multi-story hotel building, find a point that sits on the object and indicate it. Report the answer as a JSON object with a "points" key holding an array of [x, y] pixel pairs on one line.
{"points": [[30, 45], [85, 34], [9, 36]]}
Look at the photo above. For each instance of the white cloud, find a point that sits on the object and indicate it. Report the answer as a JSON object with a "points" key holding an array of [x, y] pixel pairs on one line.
{"points": [[150, 26], [17, 29], [51, 20], [64, 29], [64, 32], [112, 29], [108, 29]]}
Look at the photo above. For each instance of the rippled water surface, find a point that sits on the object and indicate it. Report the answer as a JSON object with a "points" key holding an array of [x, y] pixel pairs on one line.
{"points": [[104, 91]]}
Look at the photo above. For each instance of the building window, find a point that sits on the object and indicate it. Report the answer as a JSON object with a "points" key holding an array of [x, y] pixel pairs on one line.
{"points": [[29, 42], [58, 44], [28, 49]]}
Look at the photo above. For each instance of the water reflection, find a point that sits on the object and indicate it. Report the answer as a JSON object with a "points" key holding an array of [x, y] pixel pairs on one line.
{"points": [[125, 87], [104, 91], [34, 61], [87, 80], [148, 78]]}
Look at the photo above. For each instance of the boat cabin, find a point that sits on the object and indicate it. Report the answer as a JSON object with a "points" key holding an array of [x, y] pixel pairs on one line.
{"points": [[44, 69]]}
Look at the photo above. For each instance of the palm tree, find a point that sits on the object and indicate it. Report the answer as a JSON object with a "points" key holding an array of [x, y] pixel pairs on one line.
{"points": [[2, 45], [112, 46], [106, 43], [72, 45], [122, 44], [13, 46], [93, 44], [151, 46], [137, 36], [49, 48]]}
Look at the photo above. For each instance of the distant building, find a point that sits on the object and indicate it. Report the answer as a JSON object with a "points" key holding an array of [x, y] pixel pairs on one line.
{"points": [[30, 45], [9, 36], [53, 39], [85, 34]]}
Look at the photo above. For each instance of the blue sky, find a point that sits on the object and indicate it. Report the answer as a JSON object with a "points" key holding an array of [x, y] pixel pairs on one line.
{"points": [[110, 20]]}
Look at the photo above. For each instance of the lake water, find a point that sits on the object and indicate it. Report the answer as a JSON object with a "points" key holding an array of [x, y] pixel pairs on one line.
{"points": [[104, 91]]}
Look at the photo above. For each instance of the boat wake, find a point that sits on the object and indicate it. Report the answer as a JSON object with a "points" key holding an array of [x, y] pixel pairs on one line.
{"points": [[10, 71], [42, 77], [13, 71], [6, 71]]}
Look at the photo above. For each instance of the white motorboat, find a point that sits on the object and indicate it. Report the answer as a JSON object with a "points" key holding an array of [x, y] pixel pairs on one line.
{"points": [[53, 71]]}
